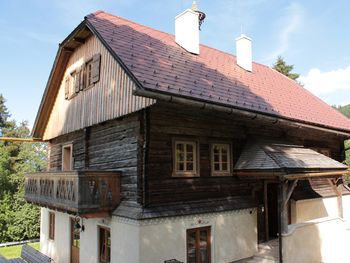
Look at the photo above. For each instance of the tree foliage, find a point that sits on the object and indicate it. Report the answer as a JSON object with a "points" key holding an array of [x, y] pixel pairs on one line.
{"points": [[345, 110], [281, 66], [18, 219]]}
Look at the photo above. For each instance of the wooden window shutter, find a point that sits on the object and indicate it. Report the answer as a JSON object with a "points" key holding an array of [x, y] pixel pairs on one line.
{"points": [[77, 81], [96, 63], [82, 78], [66, 88]]}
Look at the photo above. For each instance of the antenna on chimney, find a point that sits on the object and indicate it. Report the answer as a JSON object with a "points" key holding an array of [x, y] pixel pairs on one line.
{"points": [[201, 15]]}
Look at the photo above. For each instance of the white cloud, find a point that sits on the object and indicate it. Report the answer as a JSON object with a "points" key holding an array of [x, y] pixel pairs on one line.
{"points": [[289, 24], [327, 83]]}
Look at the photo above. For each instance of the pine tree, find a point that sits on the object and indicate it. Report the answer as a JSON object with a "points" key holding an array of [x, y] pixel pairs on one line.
{"points": [[282, 67], [18, 219]]}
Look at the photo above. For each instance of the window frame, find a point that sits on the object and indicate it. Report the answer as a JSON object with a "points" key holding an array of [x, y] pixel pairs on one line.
{"points": [[64, 146], [52, 223], [229, 159], [106, 230], [197, 242], [195, 144]]}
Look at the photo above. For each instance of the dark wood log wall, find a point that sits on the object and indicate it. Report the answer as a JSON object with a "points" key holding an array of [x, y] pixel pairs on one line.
{"points": [[125, 143], [113, 145], [169, 121]]}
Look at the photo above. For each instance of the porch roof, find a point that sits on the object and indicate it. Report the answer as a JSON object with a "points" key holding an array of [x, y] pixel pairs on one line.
{"points": [[287, 160]]}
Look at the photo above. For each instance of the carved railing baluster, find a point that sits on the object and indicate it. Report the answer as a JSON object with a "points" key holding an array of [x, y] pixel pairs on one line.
{"points": [[78, 192]]}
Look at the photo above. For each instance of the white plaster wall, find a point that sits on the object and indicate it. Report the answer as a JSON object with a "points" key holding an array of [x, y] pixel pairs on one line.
{"points": [[310, 209], [346, 207], [125, 238], [89, 240], [58, 249], [47, 246], [234, 236], [320, 240]]}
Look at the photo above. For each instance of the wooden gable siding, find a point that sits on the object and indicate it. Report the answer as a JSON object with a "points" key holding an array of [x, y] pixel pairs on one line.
{"points": [[113, 145], [170, 121], [109, 98]]}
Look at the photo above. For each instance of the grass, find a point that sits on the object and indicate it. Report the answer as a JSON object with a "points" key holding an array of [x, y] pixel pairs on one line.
{"points": [[15, 251]]}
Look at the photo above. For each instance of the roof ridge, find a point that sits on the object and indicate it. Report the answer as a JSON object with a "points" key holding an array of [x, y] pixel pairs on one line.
{"points": [[169, 34]]}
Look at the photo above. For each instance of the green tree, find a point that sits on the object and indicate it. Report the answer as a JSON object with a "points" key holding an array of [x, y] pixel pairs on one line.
{"points": [[345, 110], [18, 219], [281, 66]]}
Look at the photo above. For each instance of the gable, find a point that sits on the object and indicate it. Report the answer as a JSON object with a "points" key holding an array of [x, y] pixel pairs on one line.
{"points": [[109, 98]]}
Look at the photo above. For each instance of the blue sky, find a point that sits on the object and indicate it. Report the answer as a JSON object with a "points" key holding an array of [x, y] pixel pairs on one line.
{"points": [[313, 35]]}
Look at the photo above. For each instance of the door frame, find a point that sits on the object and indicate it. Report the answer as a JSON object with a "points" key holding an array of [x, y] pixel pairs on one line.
{"points": [[72, 221]]}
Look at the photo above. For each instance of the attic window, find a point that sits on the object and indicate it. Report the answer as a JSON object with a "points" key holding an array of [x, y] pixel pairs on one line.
{"points": [[83, 77]]}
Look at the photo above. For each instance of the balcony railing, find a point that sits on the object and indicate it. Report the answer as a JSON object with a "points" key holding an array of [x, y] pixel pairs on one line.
{"points": [[81, 192]]}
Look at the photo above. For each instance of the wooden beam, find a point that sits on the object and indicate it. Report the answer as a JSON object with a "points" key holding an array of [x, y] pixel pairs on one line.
{"points": [[283, 209], [79, 40], [317, 174], [337, 190], [266, 212], [290, 191], [12, 139]]}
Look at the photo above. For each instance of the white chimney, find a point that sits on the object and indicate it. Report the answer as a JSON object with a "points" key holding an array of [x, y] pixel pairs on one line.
{"points": [[244, 52], [187, 30]]}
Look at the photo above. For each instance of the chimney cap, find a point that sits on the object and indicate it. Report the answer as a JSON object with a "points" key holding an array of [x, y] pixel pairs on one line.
{"points": [[243, 36]]}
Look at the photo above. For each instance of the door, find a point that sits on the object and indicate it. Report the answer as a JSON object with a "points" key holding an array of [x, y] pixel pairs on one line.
{"points": [[75, 241], [105, 245], [272, 208], [198, 245]]}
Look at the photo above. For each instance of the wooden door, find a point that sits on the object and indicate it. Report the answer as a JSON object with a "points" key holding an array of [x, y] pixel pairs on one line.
{"points": [[75, 242], [199, 245], [105, 245]]}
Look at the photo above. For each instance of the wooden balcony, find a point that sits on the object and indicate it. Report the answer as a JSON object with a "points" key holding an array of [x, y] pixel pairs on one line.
{"points": [[87, 193]]}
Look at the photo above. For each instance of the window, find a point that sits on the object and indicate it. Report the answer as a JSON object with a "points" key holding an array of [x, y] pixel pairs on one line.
{"points": [[185, 160], [67, 158], [220, 159], [83, 77], [52, 225], [105, 245], [198, 245]]}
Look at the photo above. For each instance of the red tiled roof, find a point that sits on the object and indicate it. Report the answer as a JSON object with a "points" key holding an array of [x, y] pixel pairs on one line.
{"points": [[159, 64]]}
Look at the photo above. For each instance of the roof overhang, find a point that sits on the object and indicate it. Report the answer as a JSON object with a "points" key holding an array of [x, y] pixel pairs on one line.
{"points": [[272, 160], [66, 48], [155, 94]]}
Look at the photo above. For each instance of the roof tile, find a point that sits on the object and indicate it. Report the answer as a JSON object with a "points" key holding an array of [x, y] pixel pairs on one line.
{"points": [[160, 64]]}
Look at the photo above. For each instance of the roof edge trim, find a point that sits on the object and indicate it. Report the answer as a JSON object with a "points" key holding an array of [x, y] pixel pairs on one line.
{"points": [[250, 114]]}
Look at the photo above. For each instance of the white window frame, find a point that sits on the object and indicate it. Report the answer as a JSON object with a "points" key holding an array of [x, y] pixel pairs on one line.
{"points": [[229, 162], [185, 173], [65, 146]]}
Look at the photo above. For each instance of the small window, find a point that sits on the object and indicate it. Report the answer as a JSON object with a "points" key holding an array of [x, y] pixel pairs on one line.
{"points": [[185, 158], [67, 158], [51, 225], [105, 245], [198, 245], [220, 159]]}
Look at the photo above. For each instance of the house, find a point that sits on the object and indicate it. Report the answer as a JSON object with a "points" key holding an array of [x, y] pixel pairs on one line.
{"points": [[162, 148]]}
